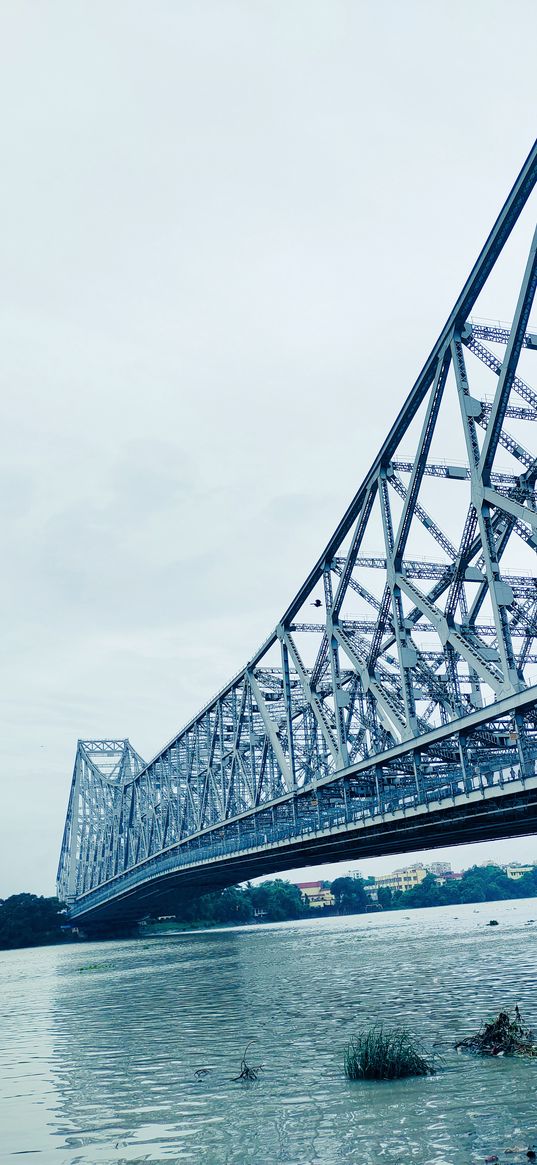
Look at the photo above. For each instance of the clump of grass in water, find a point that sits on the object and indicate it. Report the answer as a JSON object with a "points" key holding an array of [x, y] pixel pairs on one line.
{"points": [[384, 1054]]}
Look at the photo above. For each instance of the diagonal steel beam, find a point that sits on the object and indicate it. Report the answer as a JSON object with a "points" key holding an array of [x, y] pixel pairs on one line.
{"points": [[509, 366]]}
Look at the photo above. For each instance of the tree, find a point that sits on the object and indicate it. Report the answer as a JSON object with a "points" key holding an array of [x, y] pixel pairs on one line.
{"points": [[486, 884], [385, 898], [527, 884], [279, 900], [27, 920], [233, 905], [426, 893], [350, 895]]}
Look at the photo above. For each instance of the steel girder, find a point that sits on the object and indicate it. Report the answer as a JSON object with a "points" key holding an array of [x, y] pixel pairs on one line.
{"points": [[390, 657], [470, 779]]}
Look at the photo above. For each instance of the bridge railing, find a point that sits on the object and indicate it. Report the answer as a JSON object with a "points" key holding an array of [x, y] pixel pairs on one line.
{"points": [[205, 849]]}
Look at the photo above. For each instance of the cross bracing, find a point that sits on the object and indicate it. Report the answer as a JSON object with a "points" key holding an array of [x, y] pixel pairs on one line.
{"points": [[450, 785], [425, 615]]}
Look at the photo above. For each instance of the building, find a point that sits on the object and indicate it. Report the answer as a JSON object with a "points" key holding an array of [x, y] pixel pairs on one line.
{"points": [[439, 868], [371, 890], [316, 894], [450, 876], [516, 870], [404, 879]]}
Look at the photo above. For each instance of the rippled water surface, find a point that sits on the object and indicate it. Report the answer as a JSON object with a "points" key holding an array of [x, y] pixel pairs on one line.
{"points": [[100, 1043]]}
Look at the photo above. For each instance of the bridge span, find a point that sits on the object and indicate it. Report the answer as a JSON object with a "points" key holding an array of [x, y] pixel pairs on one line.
{"points": [[402, 715]]}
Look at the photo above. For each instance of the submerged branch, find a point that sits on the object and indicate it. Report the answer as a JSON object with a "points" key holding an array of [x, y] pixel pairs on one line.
{"points": [[503, 1036]]}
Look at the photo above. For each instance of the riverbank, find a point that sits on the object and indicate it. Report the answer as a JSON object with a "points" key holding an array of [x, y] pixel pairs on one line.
{"points": [[27, 920]]}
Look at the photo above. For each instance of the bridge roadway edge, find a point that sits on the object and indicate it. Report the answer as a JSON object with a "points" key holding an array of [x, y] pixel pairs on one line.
{"points": [[453, 821]]}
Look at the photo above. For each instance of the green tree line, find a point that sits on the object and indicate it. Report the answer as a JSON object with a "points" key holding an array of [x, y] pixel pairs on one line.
{"points": [[274, 901], [478, 884], [277, 900], [29, 920]]}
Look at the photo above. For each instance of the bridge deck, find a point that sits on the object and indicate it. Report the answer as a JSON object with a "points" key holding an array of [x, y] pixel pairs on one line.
{"points": [[342, 819]]}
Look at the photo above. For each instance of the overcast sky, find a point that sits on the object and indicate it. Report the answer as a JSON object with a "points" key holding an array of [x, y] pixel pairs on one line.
{"points": [[231, 233]]}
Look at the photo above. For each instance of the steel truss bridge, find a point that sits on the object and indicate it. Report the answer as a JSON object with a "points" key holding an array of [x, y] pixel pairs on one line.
{"points": [[394, 706]]}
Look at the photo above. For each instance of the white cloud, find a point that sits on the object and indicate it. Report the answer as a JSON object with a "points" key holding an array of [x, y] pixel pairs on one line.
{"points": [[232, 233]]}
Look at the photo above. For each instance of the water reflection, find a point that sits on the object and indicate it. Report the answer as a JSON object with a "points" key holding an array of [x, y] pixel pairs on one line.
{"points": [[126, 1059], [128, 1024]]}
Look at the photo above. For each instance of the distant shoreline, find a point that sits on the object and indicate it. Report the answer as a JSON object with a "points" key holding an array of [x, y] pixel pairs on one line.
{"points": [[27, 920]]}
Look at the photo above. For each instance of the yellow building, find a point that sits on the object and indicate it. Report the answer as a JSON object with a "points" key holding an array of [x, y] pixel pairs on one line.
{"points": [[316, 894], [404, 879]]}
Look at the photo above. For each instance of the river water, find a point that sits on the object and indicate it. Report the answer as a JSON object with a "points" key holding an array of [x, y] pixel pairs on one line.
{"points": [[100, 1043]]}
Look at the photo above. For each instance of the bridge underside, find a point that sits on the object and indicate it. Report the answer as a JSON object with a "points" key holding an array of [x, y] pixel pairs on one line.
{"points": [[447, 825], [448, 788]]}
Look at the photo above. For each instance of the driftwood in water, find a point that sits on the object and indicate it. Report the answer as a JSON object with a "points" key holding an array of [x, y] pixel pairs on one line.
{"points": [[248, 1071], [503, 1036]]}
